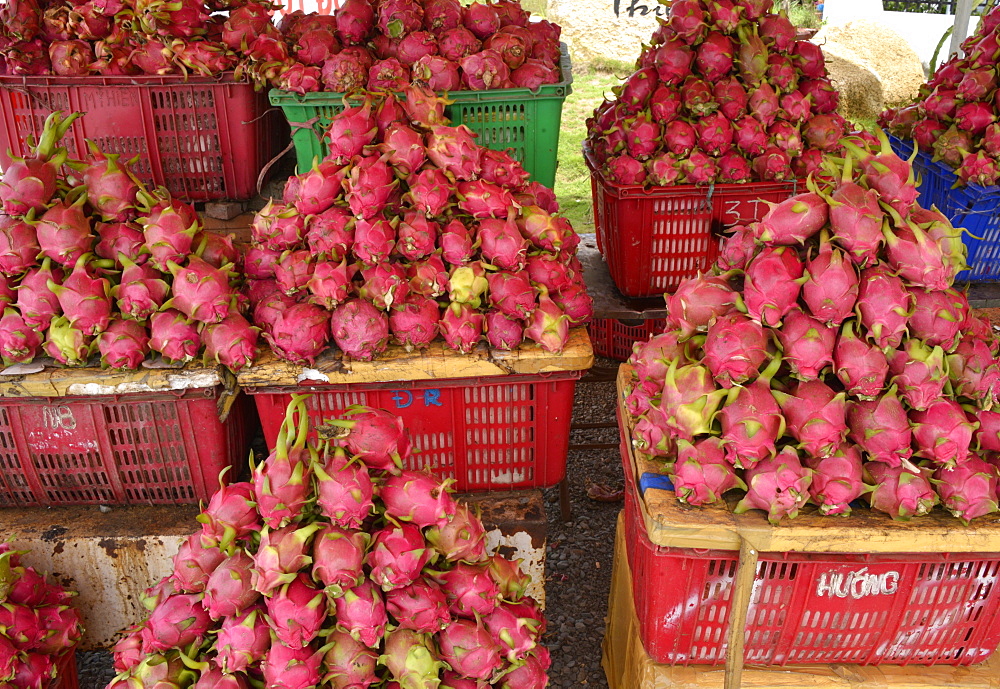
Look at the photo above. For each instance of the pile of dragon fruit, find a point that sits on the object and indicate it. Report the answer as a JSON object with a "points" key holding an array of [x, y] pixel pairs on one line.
{"points": [[38, 626], [723, 93], [93, 263], [363, 45], [442, 44], [828, 357], [409, 227], [335, 566]]}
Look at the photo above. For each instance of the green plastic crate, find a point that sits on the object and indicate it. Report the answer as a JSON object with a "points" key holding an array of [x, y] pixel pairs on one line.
{"points": [[524, 121]]}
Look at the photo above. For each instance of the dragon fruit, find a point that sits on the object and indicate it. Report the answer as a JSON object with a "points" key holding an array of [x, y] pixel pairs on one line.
{"points": [[773, 282], [702, 473], [369, 185], [918, 371], [338, 555], [349, 663], [174, 336], [281, 481], [296, 612], [361, 613], [281, 553], [141, 291], [290, 668], [968, 490], [350, 131], [837, 480], [344, 490], [228, 591], [64, 230], [807, 344], [884, 306], [453, 149], [231, 342], [860, 367], [201, 291], [973, 370], [689, 399], [831, 286], [880, 427], [66, 344], [124, 344], [19, 342], [229, 516], [177, 621], [900, 492], [409, 658], [421, 607], [735, 347], [384, 284], [85, 300], [548, 325], [430, 191], [751, 420], [942, 433], [469, 649], [779, 485], [815, 416], [697, 301], [360, 330], [793, 221], [397, 555]]}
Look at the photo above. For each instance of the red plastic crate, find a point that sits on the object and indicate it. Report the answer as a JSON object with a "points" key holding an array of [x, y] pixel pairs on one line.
{"points": [[655, 238], [141, 449], [811, 608], [202, 138], [613, 338], [67, 677], [497, 433]]}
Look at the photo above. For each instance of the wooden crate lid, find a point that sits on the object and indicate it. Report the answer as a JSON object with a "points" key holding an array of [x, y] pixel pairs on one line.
{"points": [[672, 524], [437, 361], [68, 381]]}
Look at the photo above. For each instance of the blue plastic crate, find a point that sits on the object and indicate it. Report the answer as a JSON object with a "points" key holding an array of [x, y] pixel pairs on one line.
{"points": [[973, 207]]}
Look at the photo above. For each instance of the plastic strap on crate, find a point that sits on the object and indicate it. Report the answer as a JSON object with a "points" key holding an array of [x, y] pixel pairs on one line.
{"points": [[658, 481]]}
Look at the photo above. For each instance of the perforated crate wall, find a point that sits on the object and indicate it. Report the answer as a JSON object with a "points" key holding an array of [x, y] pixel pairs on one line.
{"points": [[613, 338], [203, 139], [497, 433], [812, 608], [143, 449], [525, 121], [655, 238]]}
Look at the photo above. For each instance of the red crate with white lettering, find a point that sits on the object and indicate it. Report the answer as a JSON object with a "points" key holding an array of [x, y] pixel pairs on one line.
{"points": [[163, 448], [654, 238], [810, 608], [488, 433]]}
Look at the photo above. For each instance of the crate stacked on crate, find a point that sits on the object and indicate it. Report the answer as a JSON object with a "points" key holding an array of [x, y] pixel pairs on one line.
{"points": [[614, 337], [952, 125], [493, 420], [506, 73], [826, 365], [725, 111]]}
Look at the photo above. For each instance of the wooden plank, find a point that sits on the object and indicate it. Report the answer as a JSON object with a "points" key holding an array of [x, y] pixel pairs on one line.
{"points": [[628, 666], [670, 523], [437, 361], [746, 570], [66, 381]]}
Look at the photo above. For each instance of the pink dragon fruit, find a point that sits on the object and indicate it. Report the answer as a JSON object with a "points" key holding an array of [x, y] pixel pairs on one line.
{"points": [[918, 371], [837, 480], [468, 648], [369, 186], [899, 492], [887, 174], [124, 344], [773, 164], [702, 473], [338, 555], [329, 285], [169, 227], [482, 199], [296, 612], [831, 286], [141, 291], [430, 191], [64, 231], [461, 325], [881, 429], [281, 553], [458, 43], [174, 336], [516, 636], [504, 332], [548, 325], [375, 436], [414, 321], [764, 105], [738, 249], [230, 516], [111, 190], [779, 485], [751, 420], [344, 490], [67, 344], [942, 433], [349, 663], [823, 131], [461, 538], [331, 233], [511, 293], [815, 416], [19, 342], [749, 136], [860, 367], [807, 344], [437, 73], [501, 243], [343, 73], [374, 239], [421, 607], [973, 370], [735, 347], [201, 291], [290, 668], [689, 399], [361, 613], [123, 238], [697, 301], [642, 135], [916, 258], [384, 284], [228, 591], [793, 221], [417, 497], [968, 490], [734, 168], [360, 330], [397, 555], [978, 168], [177, 621], [626, 170], [281, 482], [85, 300], [884, 306], [18, 246], [772, 284], [350, 130], [454, 150]]}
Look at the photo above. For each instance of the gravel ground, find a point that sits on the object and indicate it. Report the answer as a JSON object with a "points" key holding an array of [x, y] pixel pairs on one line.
{"points": [[578, 568]]}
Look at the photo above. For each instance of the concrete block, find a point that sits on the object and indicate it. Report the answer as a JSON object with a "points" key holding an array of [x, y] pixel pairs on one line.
{"points": [[112, 557]]}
